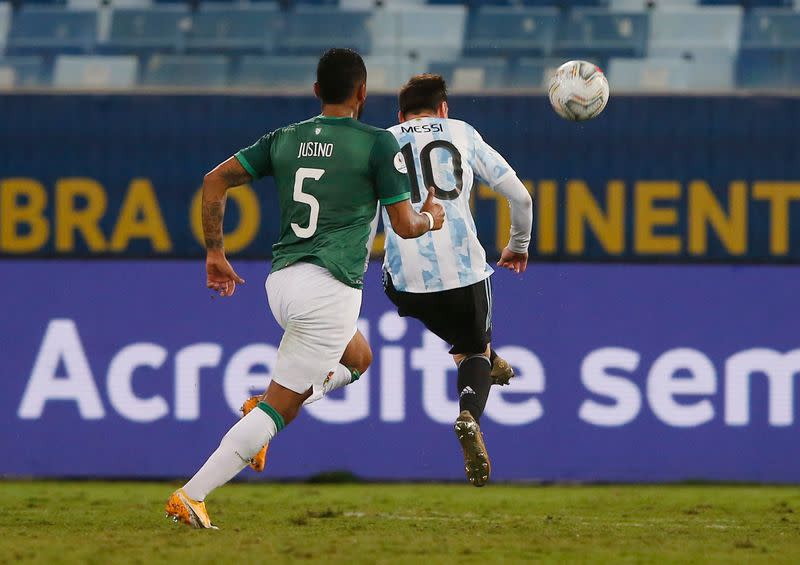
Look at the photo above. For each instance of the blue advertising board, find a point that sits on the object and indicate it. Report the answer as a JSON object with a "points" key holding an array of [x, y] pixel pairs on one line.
{"points": [[625, 373], [679, 178]]}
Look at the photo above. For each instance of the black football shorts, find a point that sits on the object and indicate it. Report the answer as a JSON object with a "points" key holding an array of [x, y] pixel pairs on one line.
{"points": [[461, 316]]}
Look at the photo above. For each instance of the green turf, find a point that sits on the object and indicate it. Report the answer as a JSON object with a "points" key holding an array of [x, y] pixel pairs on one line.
{"points": [[51, 522]]}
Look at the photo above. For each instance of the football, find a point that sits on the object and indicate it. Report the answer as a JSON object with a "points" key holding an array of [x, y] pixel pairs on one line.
{"points": [[578, 91]]}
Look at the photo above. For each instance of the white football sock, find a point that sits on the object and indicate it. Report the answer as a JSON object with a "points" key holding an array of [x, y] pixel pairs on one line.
{"points": [[240, 444], [341, 377]]}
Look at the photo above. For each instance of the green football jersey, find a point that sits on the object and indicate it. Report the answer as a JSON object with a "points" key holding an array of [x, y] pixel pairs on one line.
{"points": [[330, 174]]}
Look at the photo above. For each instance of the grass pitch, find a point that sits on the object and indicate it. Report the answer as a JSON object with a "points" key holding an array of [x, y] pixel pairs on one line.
{"points": [[53, 522]]}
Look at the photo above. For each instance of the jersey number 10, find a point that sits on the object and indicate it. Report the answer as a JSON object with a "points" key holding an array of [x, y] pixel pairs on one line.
{"points": [[427, 169]]}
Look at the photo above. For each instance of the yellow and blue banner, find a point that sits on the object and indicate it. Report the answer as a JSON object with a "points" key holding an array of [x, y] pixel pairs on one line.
{"points": [[656, 178]]}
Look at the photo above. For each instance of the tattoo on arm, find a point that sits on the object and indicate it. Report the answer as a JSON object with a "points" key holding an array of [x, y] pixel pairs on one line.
{"points": [[213, 213], [226, 175], [234, 174]]}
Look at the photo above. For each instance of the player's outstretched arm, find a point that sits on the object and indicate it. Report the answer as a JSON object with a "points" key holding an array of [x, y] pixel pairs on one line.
{"points": [[515, 254], [220, 276], [408, 224]]}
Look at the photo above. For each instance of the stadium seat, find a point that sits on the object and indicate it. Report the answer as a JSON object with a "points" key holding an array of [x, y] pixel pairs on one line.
{"points": [[762, 69], [771, 29], [234, 29], [660, 75], [92, 71], [276, 72], [49, 30], [527, 3], [472, 74], [7, 77], [25, 71], [206, 71], [747, 4], [370, 4], [712, 70], [770, 49], [679, 31], [646, 5], [157, 29], [671, 74], [48, 3], [532, 73], [598, 32], [5, 23], [310, 31], [423, 31], [512, 31], [298, 3], [389, 73]]}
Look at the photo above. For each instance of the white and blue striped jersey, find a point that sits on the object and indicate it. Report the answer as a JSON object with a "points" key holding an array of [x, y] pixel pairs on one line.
{"points": [[450, 155]]}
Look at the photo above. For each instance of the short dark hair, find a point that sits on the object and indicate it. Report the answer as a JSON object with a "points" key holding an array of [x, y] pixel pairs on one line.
{"points": [[422, 92], [339, 72]]}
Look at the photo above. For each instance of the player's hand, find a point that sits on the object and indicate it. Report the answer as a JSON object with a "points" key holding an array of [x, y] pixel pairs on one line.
{"points": [[434, 208], [512, 261], [221, 277]]}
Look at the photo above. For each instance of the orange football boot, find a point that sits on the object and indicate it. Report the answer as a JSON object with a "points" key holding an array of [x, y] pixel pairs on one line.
{"points": [[183, 509]]}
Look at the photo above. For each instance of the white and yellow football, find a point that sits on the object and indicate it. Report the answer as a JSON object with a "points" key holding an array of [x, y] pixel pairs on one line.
{"points": [[578, 91]]}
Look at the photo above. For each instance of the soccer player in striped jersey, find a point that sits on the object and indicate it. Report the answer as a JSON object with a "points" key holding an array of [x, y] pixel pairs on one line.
{"points": [[442, 278]]}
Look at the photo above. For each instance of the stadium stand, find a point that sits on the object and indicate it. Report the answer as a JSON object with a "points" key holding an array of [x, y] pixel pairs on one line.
{"points": [[47, 30], [92, 71], [772, 29], [770, 46], [236, 29], [5, 22], [532, 72], [665, 75], [645, 5], [289, 72], [668, 45], [419, 31], [472, 74], [209, 71], [677, 31], [24, 71], [148, 30], [388, 72], [526, 31], [747, 4], [309, 31], [597, 32]]}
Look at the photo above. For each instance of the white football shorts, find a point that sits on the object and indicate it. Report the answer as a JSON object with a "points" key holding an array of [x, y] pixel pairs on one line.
{"points": [[319, 315]]}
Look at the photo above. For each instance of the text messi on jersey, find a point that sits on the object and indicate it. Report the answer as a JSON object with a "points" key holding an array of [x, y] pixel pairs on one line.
{"points": [[422, 128]]}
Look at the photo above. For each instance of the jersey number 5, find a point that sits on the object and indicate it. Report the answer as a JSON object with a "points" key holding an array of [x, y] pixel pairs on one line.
{"points": [[427, 169], [300, 176]]}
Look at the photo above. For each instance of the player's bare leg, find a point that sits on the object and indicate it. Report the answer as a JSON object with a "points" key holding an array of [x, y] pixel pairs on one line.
{"points": [[355, 361], [278, 408], [474, 382]]}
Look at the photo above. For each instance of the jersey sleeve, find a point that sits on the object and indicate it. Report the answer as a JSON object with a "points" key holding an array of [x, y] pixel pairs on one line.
{"points": [[388, 169], [489, 165], [257, 159]]}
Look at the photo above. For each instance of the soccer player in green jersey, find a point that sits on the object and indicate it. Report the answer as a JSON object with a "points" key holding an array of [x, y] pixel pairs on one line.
{"points": [[331, 171]]}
